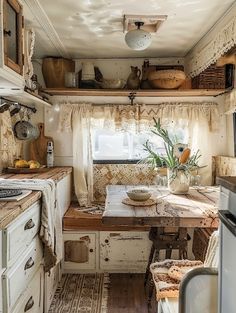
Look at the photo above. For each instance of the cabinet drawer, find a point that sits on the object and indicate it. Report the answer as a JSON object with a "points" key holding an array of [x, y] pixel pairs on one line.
{"points": [[79, 251], [32, 299], [124, 251], [63, 192], [20, 233], [16, 279]]}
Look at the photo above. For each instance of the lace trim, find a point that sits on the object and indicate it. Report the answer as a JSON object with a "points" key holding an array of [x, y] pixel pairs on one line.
{"points": [[223, 41]]}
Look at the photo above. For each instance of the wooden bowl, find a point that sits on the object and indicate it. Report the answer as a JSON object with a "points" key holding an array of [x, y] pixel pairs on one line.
{"points": [[166, 79]]}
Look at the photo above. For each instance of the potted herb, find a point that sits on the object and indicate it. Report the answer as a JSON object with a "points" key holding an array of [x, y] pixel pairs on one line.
{"points": [[177, 161]]}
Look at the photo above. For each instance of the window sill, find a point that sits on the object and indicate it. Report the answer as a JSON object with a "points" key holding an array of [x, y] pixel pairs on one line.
{"points": [[115, 161]]}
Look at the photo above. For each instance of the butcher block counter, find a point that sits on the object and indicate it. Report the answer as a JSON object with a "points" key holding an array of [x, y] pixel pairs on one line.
{"points": [[10, 210]]}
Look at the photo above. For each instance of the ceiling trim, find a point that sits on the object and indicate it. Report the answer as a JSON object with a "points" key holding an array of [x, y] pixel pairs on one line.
{"points": [[219, 40], [44, 21]]}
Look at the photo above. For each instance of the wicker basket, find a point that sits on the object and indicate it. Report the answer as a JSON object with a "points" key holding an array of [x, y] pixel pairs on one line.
{"points": [[166, 79], [212, 78]]}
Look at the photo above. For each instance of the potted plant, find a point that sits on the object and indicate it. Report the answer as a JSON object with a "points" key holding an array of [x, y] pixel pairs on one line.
{"points": [[178, 162]]}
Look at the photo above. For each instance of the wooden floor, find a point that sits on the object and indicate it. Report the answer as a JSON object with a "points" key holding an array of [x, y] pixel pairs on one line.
{"points": [[127, 294]]}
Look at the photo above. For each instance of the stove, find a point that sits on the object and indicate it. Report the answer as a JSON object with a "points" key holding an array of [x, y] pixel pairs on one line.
{"points": [[13, 194]]}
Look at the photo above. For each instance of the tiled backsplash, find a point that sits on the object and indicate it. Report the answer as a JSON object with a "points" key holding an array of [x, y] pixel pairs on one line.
{"points": [[120, 174]]}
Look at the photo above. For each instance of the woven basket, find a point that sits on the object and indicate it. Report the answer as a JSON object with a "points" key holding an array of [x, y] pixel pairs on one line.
{"points": [[166, 79], [212, 78]]}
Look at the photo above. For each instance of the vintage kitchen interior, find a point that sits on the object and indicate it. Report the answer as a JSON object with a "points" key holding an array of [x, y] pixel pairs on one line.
{"points": [[117, 156]]}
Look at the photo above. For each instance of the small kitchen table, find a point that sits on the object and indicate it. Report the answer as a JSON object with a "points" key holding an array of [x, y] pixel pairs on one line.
{"points": [[198, 208]]}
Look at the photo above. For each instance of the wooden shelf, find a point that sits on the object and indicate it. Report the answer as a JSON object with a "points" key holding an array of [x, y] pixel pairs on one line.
{"points": [[28, 99], [138, 93]]}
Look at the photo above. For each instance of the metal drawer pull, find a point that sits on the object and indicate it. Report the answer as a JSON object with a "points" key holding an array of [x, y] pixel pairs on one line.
{"points": [[29, 304], [7, 33], [30, 224], [29, 264]]}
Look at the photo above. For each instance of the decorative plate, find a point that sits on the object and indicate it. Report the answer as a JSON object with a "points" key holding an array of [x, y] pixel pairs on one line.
{"points": [[148, 202]]}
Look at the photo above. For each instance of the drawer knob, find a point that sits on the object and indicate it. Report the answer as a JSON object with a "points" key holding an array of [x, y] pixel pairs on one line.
{"points": [[106, 240], [91, 250], [29, 304], [29, 264], [30, 224], [106, 259]]}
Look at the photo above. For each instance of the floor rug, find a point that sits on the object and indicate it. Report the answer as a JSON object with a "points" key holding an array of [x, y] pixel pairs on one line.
{"points": [[81, 293]]}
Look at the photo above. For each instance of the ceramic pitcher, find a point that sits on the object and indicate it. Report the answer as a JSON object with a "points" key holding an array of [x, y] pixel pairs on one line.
{"points": [[133, 81]]}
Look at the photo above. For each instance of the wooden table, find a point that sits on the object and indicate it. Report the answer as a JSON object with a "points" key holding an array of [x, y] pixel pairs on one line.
{"points": [[198, 208]]}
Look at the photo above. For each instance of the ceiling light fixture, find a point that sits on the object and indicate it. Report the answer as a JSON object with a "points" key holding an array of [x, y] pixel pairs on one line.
{"points": [[138, 39]]}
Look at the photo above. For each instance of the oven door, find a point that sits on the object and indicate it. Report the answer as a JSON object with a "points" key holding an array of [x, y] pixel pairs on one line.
{"points": [[227, 270]]}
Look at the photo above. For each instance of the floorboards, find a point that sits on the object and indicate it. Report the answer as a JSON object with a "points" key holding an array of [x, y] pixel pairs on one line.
{"points": [[127, 294]]}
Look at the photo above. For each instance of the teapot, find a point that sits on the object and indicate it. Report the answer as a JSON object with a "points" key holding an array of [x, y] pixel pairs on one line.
{"points": [[133, 81]]}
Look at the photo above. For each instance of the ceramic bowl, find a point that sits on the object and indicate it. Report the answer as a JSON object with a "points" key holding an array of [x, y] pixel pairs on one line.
{"points": [[113, 83], [139, 194]]}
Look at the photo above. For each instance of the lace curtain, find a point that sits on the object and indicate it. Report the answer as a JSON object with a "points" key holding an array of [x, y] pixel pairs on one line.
{"points": [[221, 41], [202, 119]]}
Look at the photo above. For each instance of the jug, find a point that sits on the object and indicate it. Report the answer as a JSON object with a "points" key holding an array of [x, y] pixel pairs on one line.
{"points": [[88, 72], [133, 81]]}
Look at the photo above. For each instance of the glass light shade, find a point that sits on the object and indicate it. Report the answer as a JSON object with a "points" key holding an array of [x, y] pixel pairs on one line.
{"points": [[138, 39]]}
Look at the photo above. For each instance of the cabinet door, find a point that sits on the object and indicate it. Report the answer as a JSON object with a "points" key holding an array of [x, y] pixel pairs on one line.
{"points": [[124, 251], [12, 32], [79, 251], [64, 194]]}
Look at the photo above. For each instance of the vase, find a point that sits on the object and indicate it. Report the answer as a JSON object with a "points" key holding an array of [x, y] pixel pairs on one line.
{"points": [[178, 181]]}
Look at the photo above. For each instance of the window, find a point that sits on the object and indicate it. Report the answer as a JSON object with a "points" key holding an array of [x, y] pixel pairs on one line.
{"points": [[124, 145]]}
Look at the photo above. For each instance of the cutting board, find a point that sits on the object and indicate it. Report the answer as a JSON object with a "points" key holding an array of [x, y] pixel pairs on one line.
{"points": [[38, 147]]}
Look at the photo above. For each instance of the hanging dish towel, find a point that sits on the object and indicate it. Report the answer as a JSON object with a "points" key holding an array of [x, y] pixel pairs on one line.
{"points": [[51, 226]]}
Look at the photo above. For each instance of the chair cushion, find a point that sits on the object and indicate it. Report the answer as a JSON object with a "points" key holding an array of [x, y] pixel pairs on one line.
{"points": [[168, 274]]}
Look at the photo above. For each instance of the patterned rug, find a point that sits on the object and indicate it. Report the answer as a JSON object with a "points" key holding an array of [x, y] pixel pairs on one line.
{"points": [[81, 293]]}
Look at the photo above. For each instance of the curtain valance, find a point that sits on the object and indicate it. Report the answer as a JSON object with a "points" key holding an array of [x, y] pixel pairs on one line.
{"points": [[139, 117], [220, 40]]}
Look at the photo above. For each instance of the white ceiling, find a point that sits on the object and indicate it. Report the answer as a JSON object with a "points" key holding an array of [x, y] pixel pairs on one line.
{"points": [[93, 28]]}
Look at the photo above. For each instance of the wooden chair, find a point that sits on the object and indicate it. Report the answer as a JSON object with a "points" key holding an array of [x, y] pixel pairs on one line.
{"points": [[167, 239], [198, 288]]}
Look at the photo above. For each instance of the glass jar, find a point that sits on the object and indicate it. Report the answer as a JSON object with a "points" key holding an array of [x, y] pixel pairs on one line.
{"points": [[70, 80]]}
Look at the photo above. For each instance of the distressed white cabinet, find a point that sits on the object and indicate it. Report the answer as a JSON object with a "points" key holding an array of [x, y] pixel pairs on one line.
{"points": [[124, 251], [102, 251], [63, 196], [11, 42], [22, 257], [1, 271], [80, 252]]}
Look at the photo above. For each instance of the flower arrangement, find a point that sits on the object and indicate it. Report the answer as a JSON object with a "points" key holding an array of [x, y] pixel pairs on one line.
{"points": [[178, 160], [178, 156]]}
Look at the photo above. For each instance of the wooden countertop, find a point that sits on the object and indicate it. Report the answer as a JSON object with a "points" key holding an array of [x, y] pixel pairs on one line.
{"points": [[75, 219], [55, 173], [10, 210], [198, 208]]}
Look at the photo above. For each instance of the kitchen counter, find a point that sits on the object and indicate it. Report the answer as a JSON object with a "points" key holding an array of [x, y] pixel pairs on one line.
{"points": [[12, 209], [229, 182], [55, 173]]}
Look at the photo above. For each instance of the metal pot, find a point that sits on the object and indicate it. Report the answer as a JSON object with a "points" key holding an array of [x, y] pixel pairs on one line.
{"points": [[24, 130]]}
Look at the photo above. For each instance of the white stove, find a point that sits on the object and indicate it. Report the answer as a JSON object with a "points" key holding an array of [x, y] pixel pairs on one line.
{"points": [[13, 195]]}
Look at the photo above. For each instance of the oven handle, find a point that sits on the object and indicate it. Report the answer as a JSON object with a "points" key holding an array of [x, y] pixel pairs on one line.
{"points": [[229, 220]]}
